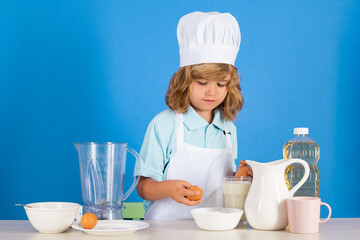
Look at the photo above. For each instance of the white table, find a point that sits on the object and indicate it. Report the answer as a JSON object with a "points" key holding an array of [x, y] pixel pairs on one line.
{"points": [[336, 228]]}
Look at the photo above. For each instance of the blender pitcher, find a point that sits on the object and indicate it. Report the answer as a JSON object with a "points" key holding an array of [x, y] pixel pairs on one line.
{"points": [[102, 172]]}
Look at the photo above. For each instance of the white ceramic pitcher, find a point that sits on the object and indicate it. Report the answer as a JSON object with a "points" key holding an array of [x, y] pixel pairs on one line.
{"points": [[265, 205]]}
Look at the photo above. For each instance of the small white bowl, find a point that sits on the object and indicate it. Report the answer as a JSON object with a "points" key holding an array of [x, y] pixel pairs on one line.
{"points": [[51, 217], [217, 219]]}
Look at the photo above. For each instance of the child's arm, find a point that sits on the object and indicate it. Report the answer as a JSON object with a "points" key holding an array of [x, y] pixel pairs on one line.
{"points": [[153, 190]]}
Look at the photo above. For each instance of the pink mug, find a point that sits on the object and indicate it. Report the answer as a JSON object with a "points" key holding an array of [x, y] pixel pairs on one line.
{"points": [[304, 214]]}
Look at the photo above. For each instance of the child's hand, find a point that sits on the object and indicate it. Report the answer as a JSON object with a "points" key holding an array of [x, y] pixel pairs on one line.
{"points": [[244, 169], [178, 190]]}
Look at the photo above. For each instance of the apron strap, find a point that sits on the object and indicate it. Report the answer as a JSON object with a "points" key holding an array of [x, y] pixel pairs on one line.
{"points": [[179, 141], [180, 129], [228, 138]]}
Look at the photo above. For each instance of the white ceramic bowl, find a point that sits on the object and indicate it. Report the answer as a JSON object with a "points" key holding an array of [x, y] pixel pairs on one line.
{"points": [[51, 217], [217, 219]]}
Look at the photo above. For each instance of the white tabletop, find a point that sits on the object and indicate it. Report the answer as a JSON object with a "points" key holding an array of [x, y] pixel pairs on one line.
{"points": [[336, 228]]}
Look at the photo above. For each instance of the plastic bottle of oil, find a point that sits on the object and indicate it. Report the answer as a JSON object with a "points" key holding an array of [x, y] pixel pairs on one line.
{"points": [[303, 147]]}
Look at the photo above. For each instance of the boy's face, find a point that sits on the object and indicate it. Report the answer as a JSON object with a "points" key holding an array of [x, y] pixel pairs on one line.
{"points": [[206, 95]]}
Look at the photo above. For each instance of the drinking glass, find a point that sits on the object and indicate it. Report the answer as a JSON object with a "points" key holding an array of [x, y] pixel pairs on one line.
{"points": [[235, 190]]}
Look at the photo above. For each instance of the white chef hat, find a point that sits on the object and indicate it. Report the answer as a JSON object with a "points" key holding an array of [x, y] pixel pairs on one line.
{"points": [[208, 38]]}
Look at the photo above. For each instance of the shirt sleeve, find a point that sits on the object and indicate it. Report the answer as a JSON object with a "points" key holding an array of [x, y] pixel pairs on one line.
{"points": [[154, 151]]}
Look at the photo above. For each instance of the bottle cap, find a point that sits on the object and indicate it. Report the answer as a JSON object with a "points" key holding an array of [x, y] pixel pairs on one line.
{"points": [[301, 131]]}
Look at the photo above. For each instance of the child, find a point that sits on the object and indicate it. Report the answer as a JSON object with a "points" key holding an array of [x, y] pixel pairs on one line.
{"points": [[194, 141]]}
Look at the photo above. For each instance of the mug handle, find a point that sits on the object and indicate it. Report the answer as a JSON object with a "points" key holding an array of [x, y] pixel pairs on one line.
{"points": [[304, 178], [329, 215], [136, 178]]}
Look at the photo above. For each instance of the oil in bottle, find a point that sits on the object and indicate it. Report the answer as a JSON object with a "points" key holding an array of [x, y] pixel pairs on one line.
{"points": [[303, 147]]}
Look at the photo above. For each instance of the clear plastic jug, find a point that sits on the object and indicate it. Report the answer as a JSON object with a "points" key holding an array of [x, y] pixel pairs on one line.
{"points": [[102, 172], [301, 146]]}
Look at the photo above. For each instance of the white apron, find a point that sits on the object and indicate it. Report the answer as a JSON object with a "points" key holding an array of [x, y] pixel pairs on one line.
{"points": [[204, 167]]}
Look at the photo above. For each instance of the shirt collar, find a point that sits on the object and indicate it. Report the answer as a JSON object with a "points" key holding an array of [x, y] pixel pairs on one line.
{"points": [[218, 121], [193, 120]]}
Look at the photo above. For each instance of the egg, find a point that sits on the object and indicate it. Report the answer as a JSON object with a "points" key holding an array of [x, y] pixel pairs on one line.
{"points": [[196, 197], [88, 220]]}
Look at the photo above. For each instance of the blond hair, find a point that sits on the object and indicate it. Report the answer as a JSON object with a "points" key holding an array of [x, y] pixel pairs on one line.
{"points": [[177, 97]]}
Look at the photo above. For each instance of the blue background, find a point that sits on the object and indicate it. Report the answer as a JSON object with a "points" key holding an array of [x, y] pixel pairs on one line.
{"points": [[77, 70]]}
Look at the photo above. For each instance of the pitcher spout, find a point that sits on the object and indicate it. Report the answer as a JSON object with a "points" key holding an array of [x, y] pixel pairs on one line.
{"points": [[253, 164], [76, 145], [274, 166]]}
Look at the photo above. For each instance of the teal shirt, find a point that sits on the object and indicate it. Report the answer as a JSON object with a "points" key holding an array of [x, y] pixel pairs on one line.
{"points": [[159, 142]]}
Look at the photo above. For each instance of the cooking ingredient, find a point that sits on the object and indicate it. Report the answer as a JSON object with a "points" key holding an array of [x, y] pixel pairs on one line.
{"points": [[303, 147], [235, 193], [195, 197], [88, 220]]}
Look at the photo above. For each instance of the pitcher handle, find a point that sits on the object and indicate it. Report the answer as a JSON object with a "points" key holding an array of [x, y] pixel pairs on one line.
{"points": [[304, 178], [136, 178]]}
